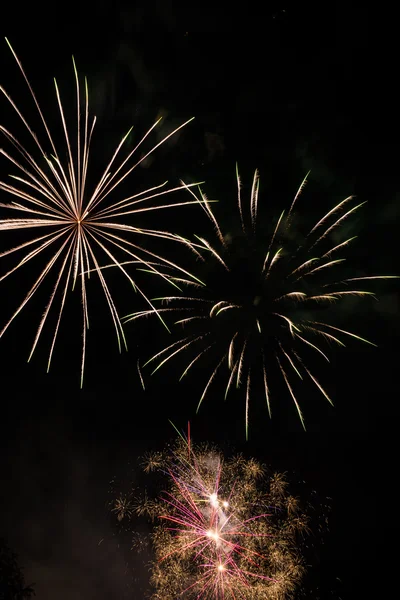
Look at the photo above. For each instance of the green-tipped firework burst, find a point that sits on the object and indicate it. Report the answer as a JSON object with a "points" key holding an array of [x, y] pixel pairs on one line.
{"points": [[260, 309]]}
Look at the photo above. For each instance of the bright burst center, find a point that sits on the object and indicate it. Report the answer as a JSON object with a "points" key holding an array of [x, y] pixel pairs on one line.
{"points": [[214, 500], [213, 535]]}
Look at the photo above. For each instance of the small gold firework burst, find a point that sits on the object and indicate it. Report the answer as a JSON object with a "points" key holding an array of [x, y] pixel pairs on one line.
{"points": [[123, 507], [152, 461]]}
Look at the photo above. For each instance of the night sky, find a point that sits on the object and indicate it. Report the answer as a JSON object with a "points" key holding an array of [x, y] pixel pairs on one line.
{"points": [[303, 89]]}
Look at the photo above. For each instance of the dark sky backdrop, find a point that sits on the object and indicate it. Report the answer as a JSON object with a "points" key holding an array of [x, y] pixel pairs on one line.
{"points": [[306, 89]]}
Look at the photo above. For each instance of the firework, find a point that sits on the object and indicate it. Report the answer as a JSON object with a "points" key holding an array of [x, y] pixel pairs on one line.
{"points": [[123, 507], [223, 529], [73, 228], [259, 310]]}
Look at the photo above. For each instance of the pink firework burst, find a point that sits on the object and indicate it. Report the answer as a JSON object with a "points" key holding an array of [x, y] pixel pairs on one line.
{"points": [[223, 529]]}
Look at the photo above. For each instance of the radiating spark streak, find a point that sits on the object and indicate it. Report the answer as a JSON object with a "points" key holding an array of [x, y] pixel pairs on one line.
{"points": [[205, 204], [213, 374], [266, 389], [239, 199], [181, 280], [292, 394], [113, 310], [328, 336], [61, 208], [140, 374], [56, 329], [185, 345], [69, 187], [330, 213], [146, 313], [194, 361], [33, 253], [272, 241], [303, 266], [80, 181], [188, 319], [215, 309], [31, 291], [146, 155], [312, 346], [152, 271], [231, 377], [230, 351], [325, 266], [36, 102], [322, 297], [100, 192], [290, 361], [169, 299], [247, 405], [373, 277], [84, 330], [336, 248], [240, 365], [254, 198], [111, 238], [336, 223], [46, 312], [319, 386], [357, 337], [192, 246], [115, 213], [293, 295], [343, 293], [274, 259], [224, 308], [217, 256], [299, 191], [135, 199], [289, 322]]}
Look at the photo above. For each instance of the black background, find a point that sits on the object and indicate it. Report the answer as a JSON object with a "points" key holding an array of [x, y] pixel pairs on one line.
{"points": [[285, 90]]}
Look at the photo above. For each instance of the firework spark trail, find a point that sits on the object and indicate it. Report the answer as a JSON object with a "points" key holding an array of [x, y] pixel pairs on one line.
{"points": [[257, 318], [53, 194], [222, 528]]}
